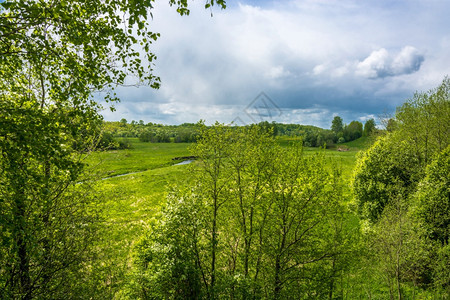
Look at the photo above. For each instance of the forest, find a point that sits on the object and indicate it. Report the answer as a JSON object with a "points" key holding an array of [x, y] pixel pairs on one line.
{"points": [[102, 210]]}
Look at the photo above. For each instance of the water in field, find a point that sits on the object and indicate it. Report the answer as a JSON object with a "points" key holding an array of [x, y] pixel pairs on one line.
{"points": [[184, 162]]}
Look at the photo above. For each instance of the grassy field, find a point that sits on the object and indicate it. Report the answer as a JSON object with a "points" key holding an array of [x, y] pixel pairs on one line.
{"points": [[134, 184], [141, 157], [152, 156]]}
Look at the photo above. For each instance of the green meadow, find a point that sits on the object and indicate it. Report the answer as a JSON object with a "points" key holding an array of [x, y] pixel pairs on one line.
{"points": [[141, 157]]}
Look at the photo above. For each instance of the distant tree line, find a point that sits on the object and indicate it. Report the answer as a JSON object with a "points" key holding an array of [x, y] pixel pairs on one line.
{"points": [[312, 136], [151, 132], [354, 130]]}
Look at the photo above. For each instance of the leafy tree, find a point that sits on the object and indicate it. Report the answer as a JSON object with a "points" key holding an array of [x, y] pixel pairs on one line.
{"points": [[441, 272], [424, 121], [146, 136], [169, 257], [433, 198], [379, 172], [47, 221], [431, 209], [353, 131], [337, 125], [108, 142], [269, 127], [391, 125], [402, 156], [400, 189], [369, 127], [295, 238], [400, 253]]}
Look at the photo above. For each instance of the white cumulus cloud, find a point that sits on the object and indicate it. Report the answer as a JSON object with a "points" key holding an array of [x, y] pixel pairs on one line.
{"points": [[381, 63]]}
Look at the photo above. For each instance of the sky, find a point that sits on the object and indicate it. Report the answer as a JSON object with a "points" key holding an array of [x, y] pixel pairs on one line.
{"points": [[292, 61]]}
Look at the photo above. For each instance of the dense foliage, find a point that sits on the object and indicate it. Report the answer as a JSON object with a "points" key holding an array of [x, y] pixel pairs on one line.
{"points": [[432, 196], [402, 192], [47, 223], [397, 161], [260, 221]]}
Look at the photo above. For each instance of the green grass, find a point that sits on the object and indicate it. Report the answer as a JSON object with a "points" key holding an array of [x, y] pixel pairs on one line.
{"points": [[360, 144], [150, 156], [130, 202], [136, 197], [141, 157], [286, 141]]}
